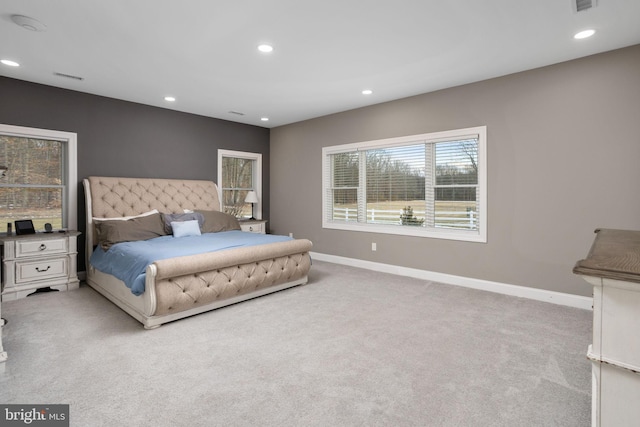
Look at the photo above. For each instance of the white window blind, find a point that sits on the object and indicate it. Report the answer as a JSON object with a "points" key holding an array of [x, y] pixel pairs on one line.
{"points": [[431, 184]]}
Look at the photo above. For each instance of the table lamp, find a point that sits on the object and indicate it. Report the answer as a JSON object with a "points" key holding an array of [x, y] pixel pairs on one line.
{"points": [[252, 198]]}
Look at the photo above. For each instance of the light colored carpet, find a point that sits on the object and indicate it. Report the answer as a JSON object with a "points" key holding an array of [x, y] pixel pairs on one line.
{"points": [[351, 348]]}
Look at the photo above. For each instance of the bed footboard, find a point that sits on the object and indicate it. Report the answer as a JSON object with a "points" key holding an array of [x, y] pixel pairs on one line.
{"points": [[184, 283]]}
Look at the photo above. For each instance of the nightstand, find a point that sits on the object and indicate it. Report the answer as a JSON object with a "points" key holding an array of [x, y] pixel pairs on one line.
{"points": [[34, 261], [254, 225]]}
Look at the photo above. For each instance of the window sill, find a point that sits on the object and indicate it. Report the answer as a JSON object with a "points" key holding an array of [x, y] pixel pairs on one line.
{"points": [[434, 233]]}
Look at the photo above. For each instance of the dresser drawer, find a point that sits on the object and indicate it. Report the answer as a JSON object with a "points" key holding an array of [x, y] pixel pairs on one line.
{"points": [[27, 271], [40, 247]]}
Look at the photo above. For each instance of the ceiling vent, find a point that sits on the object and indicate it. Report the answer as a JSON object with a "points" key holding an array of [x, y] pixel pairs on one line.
{"points": [[582, 5], [68, 76]]}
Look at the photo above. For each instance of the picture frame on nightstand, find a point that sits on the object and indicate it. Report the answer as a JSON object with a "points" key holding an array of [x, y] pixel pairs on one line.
{"points": [[24, 226]]}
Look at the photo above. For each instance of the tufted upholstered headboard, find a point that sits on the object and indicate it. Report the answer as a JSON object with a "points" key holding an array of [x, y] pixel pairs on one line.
{"points": [[112, 197]]}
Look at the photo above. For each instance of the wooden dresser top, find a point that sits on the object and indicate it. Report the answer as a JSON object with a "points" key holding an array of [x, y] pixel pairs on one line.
{"points": [[615, 254]]}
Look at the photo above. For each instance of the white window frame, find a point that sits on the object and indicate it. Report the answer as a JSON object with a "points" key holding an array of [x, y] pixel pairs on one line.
{"points": [[256, 173], [70, 142], [479, 235]]}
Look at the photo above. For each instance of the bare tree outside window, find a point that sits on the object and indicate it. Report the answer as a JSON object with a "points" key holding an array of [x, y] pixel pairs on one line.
{"points": [[237, 181], [34, 184]]}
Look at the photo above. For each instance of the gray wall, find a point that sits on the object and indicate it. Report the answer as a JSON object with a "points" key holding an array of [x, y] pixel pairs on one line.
{"points": [[563, 160], [119, 138]]}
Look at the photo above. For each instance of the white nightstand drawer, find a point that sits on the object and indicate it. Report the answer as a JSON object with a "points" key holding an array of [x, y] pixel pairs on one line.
{"points": [[40, 247], [258, 226], [27, 271], [252, 228]]}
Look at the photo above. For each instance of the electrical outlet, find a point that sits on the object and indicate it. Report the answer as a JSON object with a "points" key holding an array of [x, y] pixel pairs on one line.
{"points": [[291, 235], [374, 247]]}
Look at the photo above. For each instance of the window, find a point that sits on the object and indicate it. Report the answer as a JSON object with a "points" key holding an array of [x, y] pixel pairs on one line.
{"points": [[41, 177], [238, 173], [429, 185]]}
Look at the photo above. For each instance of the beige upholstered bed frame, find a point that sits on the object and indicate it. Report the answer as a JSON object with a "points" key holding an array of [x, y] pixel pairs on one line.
{"points": [[184, 286]]}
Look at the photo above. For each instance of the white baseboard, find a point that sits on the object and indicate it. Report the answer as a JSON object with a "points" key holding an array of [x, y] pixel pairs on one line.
{"points": [[553, 297]]}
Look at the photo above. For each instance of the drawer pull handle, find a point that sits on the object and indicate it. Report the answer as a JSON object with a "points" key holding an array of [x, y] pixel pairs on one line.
{"points": [[42, 271], [43, 247]]}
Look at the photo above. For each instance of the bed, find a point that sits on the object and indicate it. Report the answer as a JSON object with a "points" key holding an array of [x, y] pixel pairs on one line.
{"points": [[182, 286]]}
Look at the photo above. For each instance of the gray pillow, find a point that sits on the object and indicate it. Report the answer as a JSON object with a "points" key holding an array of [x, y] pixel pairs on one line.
{"points": [[215, 221], [179, 217], [147, 227]]}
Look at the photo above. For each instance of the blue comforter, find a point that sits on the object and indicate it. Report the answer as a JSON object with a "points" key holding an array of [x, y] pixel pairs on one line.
{"points": [[128, 260]]}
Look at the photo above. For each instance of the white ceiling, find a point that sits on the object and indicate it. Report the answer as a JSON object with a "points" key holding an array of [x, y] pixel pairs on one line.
{"points": [[204, 52]]}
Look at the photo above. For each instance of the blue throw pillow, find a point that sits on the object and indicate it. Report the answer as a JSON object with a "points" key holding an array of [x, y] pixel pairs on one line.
{"points": [[185, 228], [169, 218]]}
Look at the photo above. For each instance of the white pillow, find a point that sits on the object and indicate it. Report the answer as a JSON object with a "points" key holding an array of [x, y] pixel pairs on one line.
{"points": [[185, 228], [124, 218]]}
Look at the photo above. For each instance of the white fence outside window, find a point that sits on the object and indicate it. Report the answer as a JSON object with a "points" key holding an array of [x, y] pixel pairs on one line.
{"points": [[450, 219]]}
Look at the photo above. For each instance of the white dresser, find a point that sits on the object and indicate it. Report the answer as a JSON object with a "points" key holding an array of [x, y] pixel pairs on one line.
{"points": [[40, 260], [613, 269]]}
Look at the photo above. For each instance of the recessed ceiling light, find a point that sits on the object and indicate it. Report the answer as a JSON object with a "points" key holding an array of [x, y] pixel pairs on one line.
{"points": [[266, 48], [10, 63], [584, 34], [169, 98], [265, 119], [28, 23], [367, 92]]}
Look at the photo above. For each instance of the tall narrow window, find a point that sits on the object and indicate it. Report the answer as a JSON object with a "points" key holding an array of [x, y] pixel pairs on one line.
{"points": [[431, 185], [40, 180], [238, 173]]}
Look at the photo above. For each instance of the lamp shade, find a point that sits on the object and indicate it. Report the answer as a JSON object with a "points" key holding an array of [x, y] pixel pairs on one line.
{"points": [[252, 197]]}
